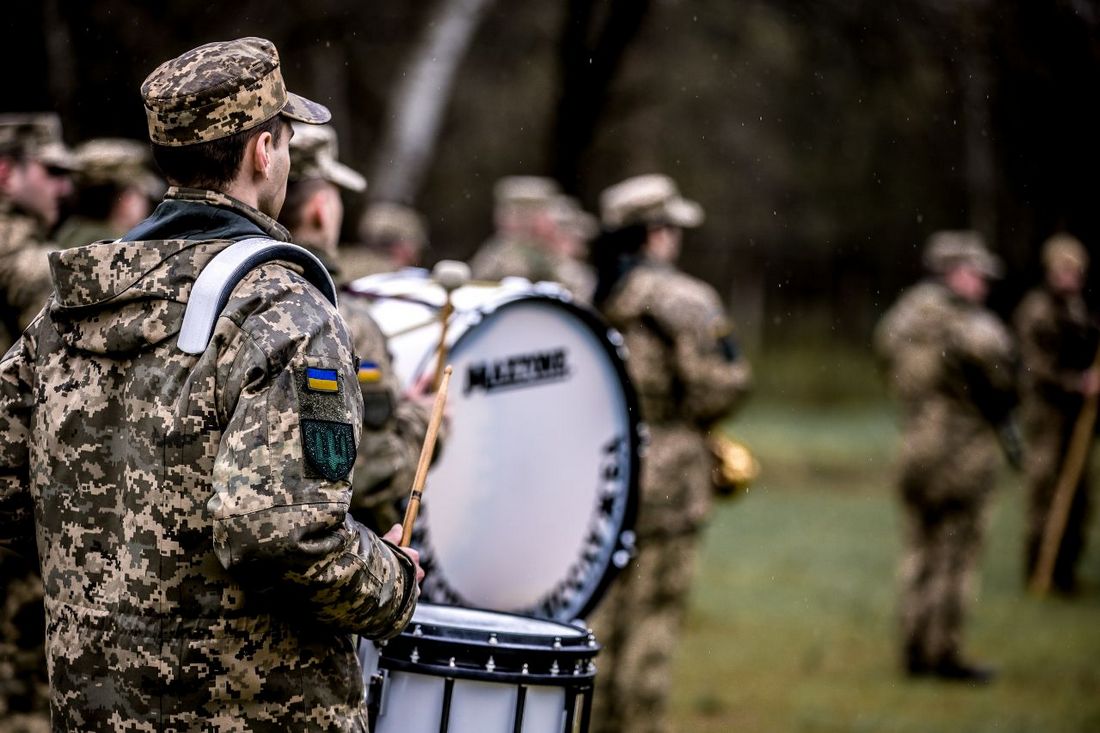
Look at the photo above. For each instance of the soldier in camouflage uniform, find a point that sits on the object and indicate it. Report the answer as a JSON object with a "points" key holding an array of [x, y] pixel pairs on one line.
{"points": [[392, 236], [191, 511], [34, 177], [394, 424], [35, 172], [1058, 341], [951, 365], [689, 375], [115, 188]]}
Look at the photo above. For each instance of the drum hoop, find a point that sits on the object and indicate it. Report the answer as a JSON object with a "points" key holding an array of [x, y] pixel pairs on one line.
{"points": [[606, 336], [564, 679]]}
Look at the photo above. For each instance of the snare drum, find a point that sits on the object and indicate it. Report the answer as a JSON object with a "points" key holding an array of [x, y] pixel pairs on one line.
{"points": [[466, 671], [530, 507]]}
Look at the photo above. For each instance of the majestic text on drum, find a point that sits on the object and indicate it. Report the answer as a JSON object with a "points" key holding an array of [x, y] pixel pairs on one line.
{"points": [[522, 370]]}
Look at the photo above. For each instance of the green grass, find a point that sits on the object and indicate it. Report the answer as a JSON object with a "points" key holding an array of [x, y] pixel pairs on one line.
{"points": [[792, 621]]}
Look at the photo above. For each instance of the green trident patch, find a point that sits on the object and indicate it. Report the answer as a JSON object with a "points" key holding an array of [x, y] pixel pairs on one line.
{"points": [[329, 447]]}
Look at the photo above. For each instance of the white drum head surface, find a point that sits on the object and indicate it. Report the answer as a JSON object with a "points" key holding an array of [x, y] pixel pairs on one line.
{"points": [[529, 505]]}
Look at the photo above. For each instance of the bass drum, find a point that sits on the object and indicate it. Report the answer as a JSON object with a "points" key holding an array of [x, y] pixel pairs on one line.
{"points": [[530, 507]]}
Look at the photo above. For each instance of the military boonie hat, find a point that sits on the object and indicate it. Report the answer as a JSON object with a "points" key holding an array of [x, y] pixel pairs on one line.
{"points": [[37, 136], [648, 199], [948, 249], [525, 191], [313, 155], [117, 161], [1065, 250], [218, 90], [388, 221]]}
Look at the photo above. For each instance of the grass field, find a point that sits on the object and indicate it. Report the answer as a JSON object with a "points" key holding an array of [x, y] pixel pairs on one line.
{"points": [[792, 620]]}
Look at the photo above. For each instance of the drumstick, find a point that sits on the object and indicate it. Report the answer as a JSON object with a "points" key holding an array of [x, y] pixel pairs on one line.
{"points": [[425, 459], [450, 275]]}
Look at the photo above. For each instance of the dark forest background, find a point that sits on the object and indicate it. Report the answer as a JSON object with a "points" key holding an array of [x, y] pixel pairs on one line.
{"points": [[826, 138]]}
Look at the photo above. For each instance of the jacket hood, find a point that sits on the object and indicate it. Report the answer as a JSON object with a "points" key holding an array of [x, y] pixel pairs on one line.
{"points": [[119, 297], [126, 296]]}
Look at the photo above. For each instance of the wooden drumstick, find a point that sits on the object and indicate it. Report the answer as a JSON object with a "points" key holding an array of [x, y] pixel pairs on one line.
{"points": [[425, 459], [450, 275]]}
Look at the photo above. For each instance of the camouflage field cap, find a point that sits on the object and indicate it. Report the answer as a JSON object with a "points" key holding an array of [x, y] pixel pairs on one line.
{"points": [[313, 155], [947, 249], [220, 89], [118, 161], [1065, 250], [384, 221], [36, 136], [513, 191], [648, 199]]}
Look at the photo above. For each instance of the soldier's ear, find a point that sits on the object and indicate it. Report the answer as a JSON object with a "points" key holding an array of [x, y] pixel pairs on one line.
{"points": [[263, 150]]}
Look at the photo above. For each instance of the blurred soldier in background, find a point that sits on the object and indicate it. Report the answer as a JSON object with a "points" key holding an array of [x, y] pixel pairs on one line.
{"points": [[574, 228], [34, 178], [950, 363], [35, 170], [191, 510], [115, 188], [394, 425], [1058, 342], [688, 374], [523, 214], [392, 236]]}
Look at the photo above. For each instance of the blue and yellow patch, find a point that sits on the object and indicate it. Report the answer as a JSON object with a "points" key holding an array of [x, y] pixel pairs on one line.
{"points": [[369, 372], [322, 380]]}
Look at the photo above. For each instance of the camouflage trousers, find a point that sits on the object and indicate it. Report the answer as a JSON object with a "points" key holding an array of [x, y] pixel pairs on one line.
{"points": [[1048, 432], [638, 625], [938, 570], [24, 684]]}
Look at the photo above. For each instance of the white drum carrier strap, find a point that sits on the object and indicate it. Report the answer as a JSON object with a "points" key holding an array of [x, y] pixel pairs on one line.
{"points": [[217, 280]]}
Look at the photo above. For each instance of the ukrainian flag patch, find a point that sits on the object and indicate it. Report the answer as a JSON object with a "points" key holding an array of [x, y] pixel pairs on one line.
{"points": [[369, 372], [322, 380]]}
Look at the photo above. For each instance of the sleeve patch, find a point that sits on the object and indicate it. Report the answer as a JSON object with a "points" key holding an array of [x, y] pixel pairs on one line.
{"points": [[322, 380], [329, 447]]}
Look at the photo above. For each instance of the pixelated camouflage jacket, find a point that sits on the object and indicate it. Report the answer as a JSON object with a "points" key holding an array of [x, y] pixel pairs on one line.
{"points": [[951, 363], [393, 426], [200, 566], [1058, 340], [688, 375], [24, 271]]}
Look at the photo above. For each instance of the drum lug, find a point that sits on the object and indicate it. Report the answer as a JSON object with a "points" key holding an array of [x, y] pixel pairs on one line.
{"points": [[415, 656], [490, 665], [554, 668], [493, 639]]}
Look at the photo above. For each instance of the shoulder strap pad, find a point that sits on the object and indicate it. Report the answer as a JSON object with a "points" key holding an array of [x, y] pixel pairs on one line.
{"points": [[216, 283]]}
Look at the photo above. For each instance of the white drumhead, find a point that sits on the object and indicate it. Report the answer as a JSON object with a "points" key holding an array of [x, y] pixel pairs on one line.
{"points": [[471, 619], [527, 508]]}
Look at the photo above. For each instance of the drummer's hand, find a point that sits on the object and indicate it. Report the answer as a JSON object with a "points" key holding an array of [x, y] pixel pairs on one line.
{"points": [[394, 536]]}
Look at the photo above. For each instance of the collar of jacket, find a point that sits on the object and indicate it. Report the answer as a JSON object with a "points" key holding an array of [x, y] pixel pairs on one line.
{"points": [[200, 214]]}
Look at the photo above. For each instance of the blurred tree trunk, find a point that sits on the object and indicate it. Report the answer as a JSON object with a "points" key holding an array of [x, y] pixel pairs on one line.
{"points": [[409, 138], [976, 88], [594, 40]]}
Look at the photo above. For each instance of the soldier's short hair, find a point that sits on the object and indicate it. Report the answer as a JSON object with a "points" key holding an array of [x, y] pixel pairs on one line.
{"points": [[214, 164]]}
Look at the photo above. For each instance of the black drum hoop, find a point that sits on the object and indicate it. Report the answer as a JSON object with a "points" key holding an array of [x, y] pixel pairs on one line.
{"points": [[612, 343]]}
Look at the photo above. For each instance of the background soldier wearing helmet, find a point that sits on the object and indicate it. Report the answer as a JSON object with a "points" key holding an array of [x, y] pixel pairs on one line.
{"points": [[394, 425], [1058, 342], [115, 188], [200, 567], [950, 364], [34, 178], [688, 374]]}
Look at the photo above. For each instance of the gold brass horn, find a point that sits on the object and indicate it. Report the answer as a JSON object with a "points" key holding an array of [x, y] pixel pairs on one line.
{"points": [[735, 466]]}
